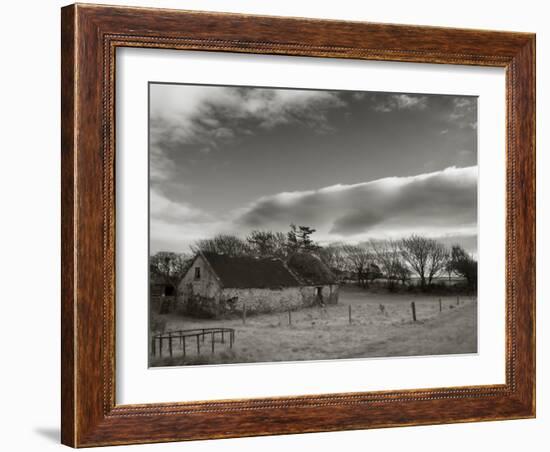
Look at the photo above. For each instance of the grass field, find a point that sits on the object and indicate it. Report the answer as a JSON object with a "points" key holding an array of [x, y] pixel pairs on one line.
{"points": [[381, 325]]}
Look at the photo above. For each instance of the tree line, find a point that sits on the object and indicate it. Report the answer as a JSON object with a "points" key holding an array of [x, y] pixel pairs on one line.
{"points": [[395, 262], [398, 261]]}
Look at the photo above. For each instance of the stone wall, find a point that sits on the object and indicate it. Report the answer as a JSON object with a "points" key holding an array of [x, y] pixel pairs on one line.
{"points": [[261, 300], [229, 302], [329, 294]]}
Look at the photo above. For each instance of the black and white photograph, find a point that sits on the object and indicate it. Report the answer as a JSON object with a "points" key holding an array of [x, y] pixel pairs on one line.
{"points": [[275, 226], [298, 224]]}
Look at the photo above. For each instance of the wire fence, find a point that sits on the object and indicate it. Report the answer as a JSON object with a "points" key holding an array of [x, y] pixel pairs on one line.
{"points": [[364, 312]]}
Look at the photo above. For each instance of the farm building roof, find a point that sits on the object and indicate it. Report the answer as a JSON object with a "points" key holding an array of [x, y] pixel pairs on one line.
{"points": [[311, 269], [249, 272]]}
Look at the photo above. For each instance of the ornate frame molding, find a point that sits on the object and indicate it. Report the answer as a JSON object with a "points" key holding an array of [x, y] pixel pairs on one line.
{"points": [[90, 37]]}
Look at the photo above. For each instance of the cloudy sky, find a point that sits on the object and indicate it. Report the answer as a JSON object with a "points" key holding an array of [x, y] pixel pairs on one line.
{"points": [[353, 165]]}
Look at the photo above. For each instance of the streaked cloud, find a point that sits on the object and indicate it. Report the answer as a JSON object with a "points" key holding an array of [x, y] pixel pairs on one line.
{"points": [[437, 203]]}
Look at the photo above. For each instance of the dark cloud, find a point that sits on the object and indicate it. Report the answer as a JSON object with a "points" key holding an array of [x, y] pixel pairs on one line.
{"points": [[357, 222], [443, 201]]}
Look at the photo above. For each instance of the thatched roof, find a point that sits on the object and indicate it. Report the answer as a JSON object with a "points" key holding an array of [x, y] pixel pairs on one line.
{"points": [[243, 272], [311, 269]]}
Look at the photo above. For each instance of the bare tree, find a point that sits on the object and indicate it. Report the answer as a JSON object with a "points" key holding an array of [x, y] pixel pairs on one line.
{"points": [[415, 251], [267, 243], [388, 256], [437, 261], [171, 266], [334, 256], [360, 259], [229, 245], [449, 268], [403, 273], [426, 257], [463, 264]]}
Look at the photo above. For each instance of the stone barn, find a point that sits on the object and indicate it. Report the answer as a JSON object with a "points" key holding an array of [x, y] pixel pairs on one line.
{"points": [[162, 294], [218, 284], [319, 285]]}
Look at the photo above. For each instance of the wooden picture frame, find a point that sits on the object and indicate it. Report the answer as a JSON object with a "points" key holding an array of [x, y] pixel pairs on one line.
{"points": [[90, 36]]}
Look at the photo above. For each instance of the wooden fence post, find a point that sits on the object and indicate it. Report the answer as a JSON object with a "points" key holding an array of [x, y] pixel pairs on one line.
{"points": [[170, 343], [413, 311], [183, 345], [153, 346], [198, 345], [244, 313], [289, 317], [349, 313], [212, 340], [160, 345], [440, 307]]}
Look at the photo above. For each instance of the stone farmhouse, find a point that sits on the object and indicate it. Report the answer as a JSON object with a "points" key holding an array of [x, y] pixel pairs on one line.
{"points": [[217, 284]]}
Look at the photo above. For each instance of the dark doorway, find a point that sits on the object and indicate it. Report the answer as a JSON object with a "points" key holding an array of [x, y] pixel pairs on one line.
{"points": [[319, 291]]}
